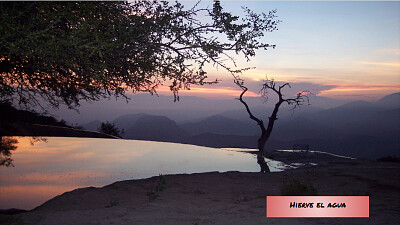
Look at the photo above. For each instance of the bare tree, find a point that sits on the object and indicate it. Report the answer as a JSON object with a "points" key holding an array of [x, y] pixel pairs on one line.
{"points": [[269, 85]]}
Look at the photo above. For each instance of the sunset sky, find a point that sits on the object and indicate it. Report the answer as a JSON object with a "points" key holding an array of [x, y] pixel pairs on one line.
{"points": [[344, 50]]}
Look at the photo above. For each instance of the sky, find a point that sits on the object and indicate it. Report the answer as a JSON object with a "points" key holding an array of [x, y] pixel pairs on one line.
{"points": [[340, 50]]}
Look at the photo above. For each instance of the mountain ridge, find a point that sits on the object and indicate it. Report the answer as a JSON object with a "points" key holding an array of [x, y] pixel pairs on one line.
{"points": [[350, 127]]}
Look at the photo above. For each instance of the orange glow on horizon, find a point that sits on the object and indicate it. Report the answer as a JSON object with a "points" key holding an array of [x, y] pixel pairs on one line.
{"points": [[363, 88], [385, 64], [338, 91], [228, 91], [210, 91], [38, 194], [375, 92]]}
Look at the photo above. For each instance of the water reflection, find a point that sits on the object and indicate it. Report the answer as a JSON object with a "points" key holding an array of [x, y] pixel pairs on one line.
{"points": [[8, 144], [61, 164], [34, 140]]}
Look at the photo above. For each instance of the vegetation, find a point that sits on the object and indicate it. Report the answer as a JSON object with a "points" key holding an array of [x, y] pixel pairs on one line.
{"points": [[159, 188], [269, 85], [7, 144], [111, 129], [66, 52], [9, 114], [112, 204], [13, 121], [298, 188]]}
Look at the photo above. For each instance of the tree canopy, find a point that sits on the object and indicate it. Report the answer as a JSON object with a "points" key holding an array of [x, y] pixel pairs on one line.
{"points": [[7, 144], [111, 129], [66, 52]]}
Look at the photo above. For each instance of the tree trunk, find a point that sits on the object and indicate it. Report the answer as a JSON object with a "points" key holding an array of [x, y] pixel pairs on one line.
{"points": [[264, 138], [266, 132], [260, 156]]}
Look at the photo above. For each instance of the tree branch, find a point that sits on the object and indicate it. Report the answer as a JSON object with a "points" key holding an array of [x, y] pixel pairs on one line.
{"points": [[259, 122]]}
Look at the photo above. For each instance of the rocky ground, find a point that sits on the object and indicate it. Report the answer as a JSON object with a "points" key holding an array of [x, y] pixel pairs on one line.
{"points": [[221, 198]]}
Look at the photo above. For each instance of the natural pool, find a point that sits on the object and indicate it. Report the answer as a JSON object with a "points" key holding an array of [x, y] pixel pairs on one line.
{"points": [[53, 165]]}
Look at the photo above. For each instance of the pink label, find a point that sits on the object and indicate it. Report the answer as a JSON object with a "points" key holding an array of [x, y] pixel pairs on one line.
{"points": [[317, 206]]}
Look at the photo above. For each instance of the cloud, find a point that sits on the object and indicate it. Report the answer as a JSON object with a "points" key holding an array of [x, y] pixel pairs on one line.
{"points": [[295, 87], [217, 91], [363, 87], [382, 64], [390, 51], [356, 92], [227, 89], [224, 89]]}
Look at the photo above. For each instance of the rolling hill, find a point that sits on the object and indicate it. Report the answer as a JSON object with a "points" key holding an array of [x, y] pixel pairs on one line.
{"points": [[218, 124], [156, 128], [359, 128]]}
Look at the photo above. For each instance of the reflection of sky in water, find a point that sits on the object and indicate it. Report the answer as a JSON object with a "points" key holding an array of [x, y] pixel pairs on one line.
{"points": [[45, 170]]}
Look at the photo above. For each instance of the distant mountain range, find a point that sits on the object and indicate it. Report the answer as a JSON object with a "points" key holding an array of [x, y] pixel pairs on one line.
{"points": [[156, 128], [359, 128], [390, 101], [219, 124]]}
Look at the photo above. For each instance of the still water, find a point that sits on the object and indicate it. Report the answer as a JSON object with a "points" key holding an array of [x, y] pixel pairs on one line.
{"points": [[51, 166]]}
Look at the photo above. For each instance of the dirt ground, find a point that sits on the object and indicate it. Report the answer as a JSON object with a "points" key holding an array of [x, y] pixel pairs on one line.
{"points": [[221, 198]]}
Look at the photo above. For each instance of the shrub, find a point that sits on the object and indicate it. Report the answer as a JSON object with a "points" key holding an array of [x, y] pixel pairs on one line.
{"points": [[298, 188], [159, 188], [389, 158], [110, 129]]}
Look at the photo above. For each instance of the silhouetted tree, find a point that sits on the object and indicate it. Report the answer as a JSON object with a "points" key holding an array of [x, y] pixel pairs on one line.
{"points": [[7, 144], [66, 52], [111, 129], [269, 85]]}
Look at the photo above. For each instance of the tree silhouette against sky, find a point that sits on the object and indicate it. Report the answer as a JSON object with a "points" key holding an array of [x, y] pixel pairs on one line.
{"points": [[269, 85], [66, 52]]}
